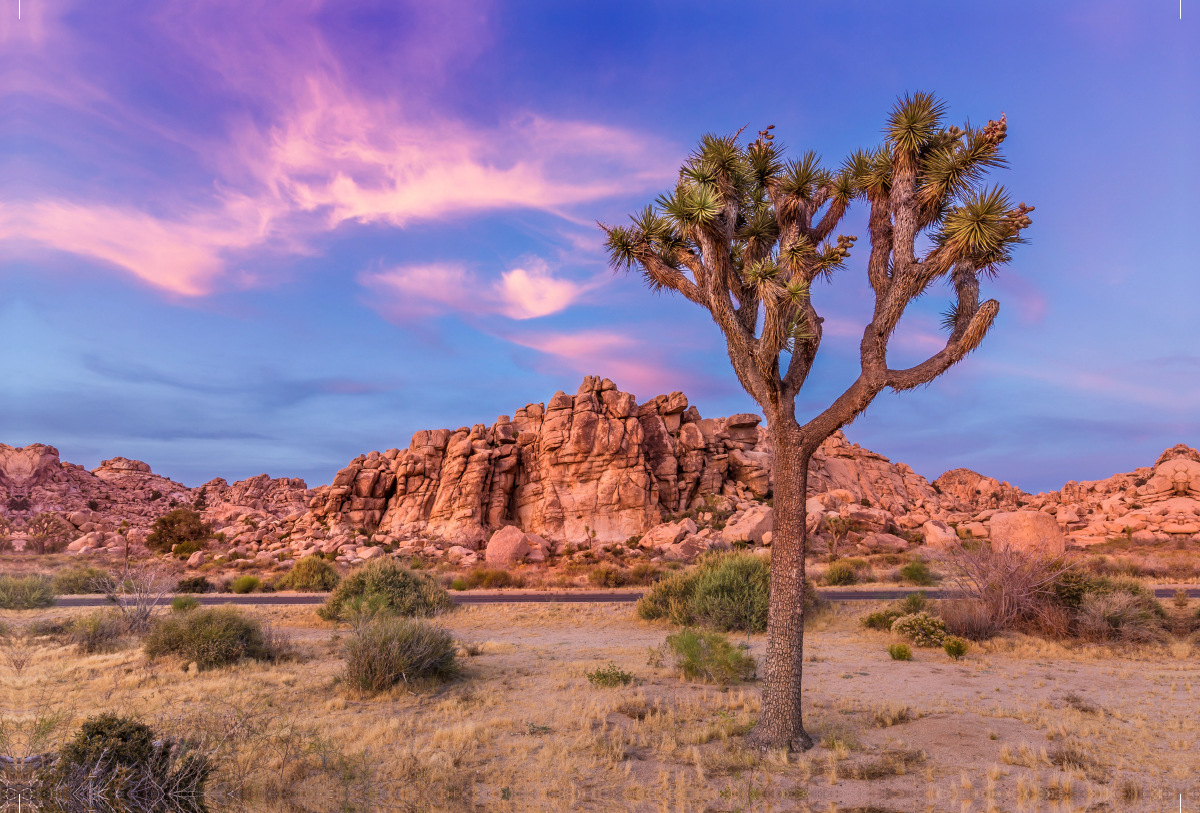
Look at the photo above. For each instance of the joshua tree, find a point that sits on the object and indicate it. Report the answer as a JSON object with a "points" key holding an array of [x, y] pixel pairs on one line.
{"points": [[745, 233], [48, 532]]}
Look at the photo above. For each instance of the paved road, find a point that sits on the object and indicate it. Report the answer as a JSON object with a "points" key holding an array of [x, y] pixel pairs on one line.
{"points": [[554, 597]]}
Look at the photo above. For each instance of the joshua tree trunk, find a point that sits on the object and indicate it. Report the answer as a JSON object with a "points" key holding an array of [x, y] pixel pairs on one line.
{"points": [[782, 722]]}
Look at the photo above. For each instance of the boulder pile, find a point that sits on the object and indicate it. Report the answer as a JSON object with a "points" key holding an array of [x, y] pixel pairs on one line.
{"points": [[595, 471]]}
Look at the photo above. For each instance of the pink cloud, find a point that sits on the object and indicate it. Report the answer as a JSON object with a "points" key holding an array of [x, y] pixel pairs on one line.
{"points": [[321, 147], [527, 291], [619, 356]]}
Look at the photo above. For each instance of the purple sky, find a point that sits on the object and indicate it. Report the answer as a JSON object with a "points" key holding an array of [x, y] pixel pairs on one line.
{"points": [[246, 237]]}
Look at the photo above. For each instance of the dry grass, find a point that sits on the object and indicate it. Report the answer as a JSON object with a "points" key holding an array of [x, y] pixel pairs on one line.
{"points": [[1066, 722]]}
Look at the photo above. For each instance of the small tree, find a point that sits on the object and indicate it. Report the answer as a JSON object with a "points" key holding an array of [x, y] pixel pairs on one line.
{"points": [[745, 233], [178, 526], [48, 532]]}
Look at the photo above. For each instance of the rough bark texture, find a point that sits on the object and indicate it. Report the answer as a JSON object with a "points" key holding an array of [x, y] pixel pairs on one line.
{"points": [[782, 719]]}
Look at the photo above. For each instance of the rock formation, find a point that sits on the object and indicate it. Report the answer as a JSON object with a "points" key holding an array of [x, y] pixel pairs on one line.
{"points": [[592, 470]]}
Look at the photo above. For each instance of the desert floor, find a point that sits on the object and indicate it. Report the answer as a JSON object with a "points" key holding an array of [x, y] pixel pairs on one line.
{"points": [[1019, 723]]}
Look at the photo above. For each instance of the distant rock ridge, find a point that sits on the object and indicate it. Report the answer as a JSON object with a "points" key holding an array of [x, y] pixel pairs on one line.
{"points": [[593, 468]]}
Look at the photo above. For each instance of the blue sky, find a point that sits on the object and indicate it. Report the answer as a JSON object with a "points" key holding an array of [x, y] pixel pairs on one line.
{"points": [[238, 238]]}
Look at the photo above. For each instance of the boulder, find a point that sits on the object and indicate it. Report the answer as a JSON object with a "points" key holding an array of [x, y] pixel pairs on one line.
{"points": [[1031, 531], [938, 534], [751, 526], [367, 553], [196, 559], [885, 543], [508, 546], [668, 533]]}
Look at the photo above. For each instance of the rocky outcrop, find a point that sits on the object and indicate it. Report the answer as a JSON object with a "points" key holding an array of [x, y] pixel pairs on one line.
{"points": [[588, 471], [592, 468]]}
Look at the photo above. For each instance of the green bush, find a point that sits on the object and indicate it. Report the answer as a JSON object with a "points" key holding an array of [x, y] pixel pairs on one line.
{"points": [[211, 637], [955, 647], [389, 650], [458, 583], [922, 628], [102, 631], [30, 592], [78, 581], [881, 619], [489, 578], [607, 575], [119, 758], [121, 741], [181, 604], [917, 572], [312, 574], [644, 573], [245, 584], [670, 597], [176, 527], [401, 590], [194, 584], [708, 656], [1071, 585], [900, 652], [839, 573], [726, 591], [732, 592], [609, 676], [913, 602]]}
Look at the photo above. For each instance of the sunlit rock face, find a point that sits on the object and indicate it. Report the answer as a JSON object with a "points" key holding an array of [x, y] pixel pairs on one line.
{"points": [[593, 467]]}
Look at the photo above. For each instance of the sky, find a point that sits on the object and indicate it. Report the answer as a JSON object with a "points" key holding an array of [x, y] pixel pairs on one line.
{"points": [[244, 237]]}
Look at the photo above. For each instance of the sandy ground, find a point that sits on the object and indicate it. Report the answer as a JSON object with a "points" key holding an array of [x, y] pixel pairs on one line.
{"points": [[1018, 723]]}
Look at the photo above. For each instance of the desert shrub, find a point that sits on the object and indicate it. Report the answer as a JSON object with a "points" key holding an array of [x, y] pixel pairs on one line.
{"points": [[839, 573], [900, 652], [30, 592], [245, 584], [670, 597], [77, 581], [312, 574], [401, 590], [490, 578], [181, 604], [607, 575], [211, 637], [917, 572], [1181, 599], [710, 657], [183, 550], [176, 527], [98, 632], [967, 618], [194, 584], [732, 593], [115, 757], [955, 647], [1120, 617], [390, 650], [121, 741], [609, 676], [881, 619], [921, 628], [1014, 585], [643, 573], [1070, 586], [726, 591]]}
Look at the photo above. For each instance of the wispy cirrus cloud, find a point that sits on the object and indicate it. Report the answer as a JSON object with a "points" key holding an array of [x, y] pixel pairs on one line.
{"points": [[305, 141]]}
